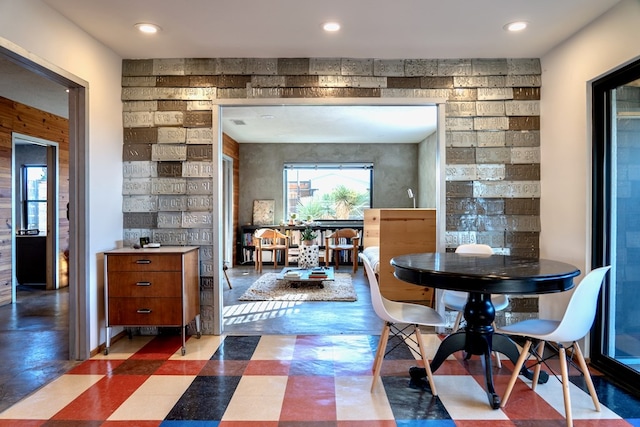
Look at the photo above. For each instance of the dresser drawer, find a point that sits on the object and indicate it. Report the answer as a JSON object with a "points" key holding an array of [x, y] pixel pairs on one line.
{"points": [[145, 284], [145, 311], [144, 262]]}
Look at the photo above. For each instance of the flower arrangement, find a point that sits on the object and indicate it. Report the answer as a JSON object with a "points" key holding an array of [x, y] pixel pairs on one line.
{"points": [[308, 234]]}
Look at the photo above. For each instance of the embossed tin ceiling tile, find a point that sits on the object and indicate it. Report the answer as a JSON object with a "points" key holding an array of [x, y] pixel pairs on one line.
{"points": [[199, 236], [198, 119], [461, 138], [493, 155], [168, 118], [356, 67], [301, 81], [453, 239], [489, 67], [490, 108], [460, 109], [269, 81], [197, 219], [328, 92], [140, 135], [454, 67], [197, 169], [263, 66], [461, 172], [522, 207], [526, 93], [495, 239], [170, 237], [522, 172], [459, 189], [137, 67], [200, 105], [137, 119], [491, 123], [171, 135], [173, 81], [458, 123], [140, 106], [325, 66], [490, 172], [169, 66], [461, 222], [420, 67], [201, 66], [527, 138], [199, 202], [495, 93], [507, 189], [140, 220], [241, 93], [168, 152], [207, 283], [460, 155], [403, 82], [172, 105], [169, 220], [137, 186], [432, 82], [200, 186], [139, 169], [136, 152], [522, 108], [199, 152], [132, 236], [522, 239], [169, 169], [293, 66], [526, 155], [172, 203], [199, 135], [232, 66], [524, 66], [524, 123], [203, 81], [523, 81], [526, 253], [138, 81], [491, 138], [463, 94], [140, 203], [388, 67], [168, 186], [233, 81]]}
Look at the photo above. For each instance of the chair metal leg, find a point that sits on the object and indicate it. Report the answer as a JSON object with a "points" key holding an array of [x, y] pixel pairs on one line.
{"points": [[516, 372], [382, 345], [427, 367]]}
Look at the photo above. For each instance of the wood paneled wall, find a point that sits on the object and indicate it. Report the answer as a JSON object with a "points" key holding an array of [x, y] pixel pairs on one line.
{"points": [[20, 118], [231, 148]]}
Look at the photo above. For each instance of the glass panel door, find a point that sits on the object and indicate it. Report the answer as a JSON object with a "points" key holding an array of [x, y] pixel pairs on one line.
{"points": [[616, 341]]}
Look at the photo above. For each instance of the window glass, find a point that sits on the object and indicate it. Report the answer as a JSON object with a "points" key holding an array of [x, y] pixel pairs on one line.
{"points": [[327, 191], [35, 197]]}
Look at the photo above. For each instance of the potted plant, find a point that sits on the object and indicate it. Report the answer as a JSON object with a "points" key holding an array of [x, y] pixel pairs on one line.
{"points": [[307, 236], [292, 219]]}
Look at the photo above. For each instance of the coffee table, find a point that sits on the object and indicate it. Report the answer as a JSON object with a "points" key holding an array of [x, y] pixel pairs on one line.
{"points": [[304, 278]]}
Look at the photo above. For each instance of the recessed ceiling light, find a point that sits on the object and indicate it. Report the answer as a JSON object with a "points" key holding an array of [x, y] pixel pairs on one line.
{"points": [[331, 26], [147, 28], [515, 26]]}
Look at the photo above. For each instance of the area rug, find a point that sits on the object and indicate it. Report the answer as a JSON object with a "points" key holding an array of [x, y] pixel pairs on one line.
{"points": [[268, 288]]}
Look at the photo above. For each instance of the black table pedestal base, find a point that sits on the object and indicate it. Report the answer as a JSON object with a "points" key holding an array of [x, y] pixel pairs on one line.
{"points": [[479, 339]]}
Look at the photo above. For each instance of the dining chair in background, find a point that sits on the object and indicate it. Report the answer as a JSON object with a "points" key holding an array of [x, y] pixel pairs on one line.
{"points": [[397, 317], [268, 239], [344, 239], [576, 322], [456, 300]]}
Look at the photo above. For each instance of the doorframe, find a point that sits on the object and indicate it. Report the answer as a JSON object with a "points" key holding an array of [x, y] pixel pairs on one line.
{"points": [[217, 117], [79, 295], [53, 223]]}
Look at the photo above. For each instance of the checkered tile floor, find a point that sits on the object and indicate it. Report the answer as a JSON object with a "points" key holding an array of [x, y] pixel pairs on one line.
{"points": [[287, 380]]}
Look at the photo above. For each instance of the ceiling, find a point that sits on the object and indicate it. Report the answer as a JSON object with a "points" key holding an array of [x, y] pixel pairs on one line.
{"points": [[292, 28]]}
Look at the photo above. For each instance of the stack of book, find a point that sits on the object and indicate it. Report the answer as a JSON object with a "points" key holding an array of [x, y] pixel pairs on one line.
{"points": [[292, 274], [318, 273]]}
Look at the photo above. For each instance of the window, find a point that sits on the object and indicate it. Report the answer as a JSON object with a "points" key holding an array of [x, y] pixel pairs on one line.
{"points": [[34, 197], [327, 191]]}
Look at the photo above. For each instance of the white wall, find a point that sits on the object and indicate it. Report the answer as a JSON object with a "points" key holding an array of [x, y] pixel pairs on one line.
{"points": [[606, 44], [32, 26]]}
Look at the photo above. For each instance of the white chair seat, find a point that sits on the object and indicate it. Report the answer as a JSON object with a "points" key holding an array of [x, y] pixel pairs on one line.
{"points": [[574, 325], [403, 313]]}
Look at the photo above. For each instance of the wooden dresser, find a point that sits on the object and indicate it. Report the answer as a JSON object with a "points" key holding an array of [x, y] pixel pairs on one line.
{"points": [[152, 287], [399, 232]]}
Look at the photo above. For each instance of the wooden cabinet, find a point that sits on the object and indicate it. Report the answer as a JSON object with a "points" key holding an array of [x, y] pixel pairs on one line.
{"points": [[152, 287], [398, 232]]}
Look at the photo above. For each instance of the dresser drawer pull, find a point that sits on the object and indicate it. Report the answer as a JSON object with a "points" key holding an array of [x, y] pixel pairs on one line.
{"points": [[143, 283], [144, 311], [143, 261]]}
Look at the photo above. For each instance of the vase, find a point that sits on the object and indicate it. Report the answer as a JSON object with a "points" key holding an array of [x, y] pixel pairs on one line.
{"points": [[309, 255]]}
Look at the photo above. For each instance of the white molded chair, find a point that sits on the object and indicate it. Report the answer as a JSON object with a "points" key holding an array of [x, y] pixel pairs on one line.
{"points": [[456, 300], [574, 325], [394, 312]]}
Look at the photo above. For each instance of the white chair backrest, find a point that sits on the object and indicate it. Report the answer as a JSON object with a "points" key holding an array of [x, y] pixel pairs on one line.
{"points": [[474, 248], [376, 296], [581, 310]]}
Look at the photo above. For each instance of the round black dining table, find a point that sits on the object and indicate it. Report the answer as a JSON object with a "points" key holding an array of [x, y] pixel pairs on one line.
{"points": [[481, 276]]}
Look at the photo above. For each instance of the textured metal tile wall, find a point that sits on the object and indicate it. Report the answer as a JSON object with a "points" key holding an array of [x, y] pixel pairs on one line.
{"points": [[492, 139]]}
